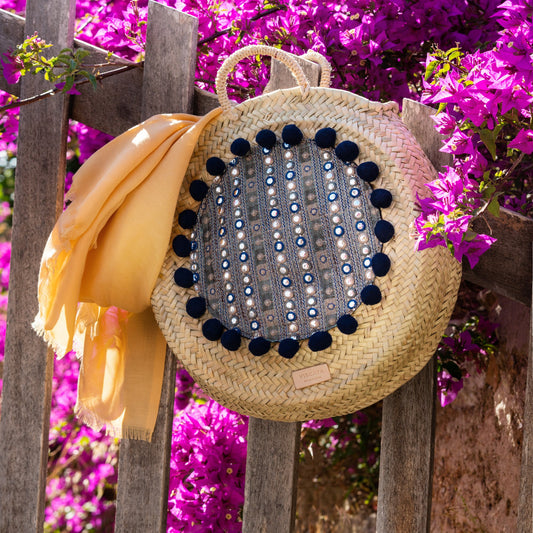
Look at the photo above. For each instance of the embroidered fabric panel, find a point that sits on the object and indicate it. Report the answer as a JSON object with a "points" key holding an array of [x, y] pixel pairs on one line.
{"points": [[284, 241]]}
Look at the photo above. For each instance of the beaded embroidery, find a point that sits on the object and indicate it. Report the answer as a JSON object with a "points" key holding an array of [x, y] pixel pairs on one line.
{"points": [[286, 244]]}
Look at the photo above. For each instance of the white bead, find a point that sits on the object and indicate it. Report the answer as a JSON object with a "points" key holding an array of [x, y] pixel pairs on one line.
{"points": [[273, 202], [291, 185], [344, 256], [363, 237], [229, 286], [336, 219], [365, 250], [303, 254], [224, 253], [242, 246], [236, 202], [329, 175], [293, 196], [293, 328], [334, 207], [246, 279], [349, 171], [234, 171], [251, 313], [238, 212], [232, 309], [298, 230], [289, 304], [288, 154], [349, 280], [314, 323], [280, 258], [296, 219], [240, 235], [268, 160], [276, 224], [283, 270], [306, 266], [353, 181], [234, 320], [311, 301], [290, 164], [288, 293], [310, 290], [369, 274], [227, 275], [341, 243], [271, 191], [218, 189], [350, 293], [326, 156], [356, 202], [245, 268], [331, 186], [250, 302]]}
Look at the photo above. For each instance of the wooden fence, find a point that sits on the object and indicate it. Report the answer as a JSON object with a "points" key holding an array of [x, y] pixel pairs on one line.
{"points": [[166, 84]]}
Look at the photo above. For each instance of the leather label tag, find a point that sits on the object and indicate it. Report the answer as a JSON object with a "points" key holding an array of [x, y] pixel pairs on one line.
{"points": [[311, 376]]}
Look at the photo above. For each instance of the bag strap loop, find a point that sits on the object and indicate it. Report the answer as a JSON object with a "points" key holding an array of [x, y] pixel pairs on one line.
{"points": [[276, 53]]}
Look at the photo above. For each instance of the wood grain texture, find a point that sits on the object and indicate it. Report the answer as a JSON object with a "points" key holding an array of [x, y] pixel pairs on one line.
{"points": [[143, 470], [408, 427], [273, 447], [525, 502], [271, 476], [28, 366], [406, 460], [143, 474], [506, 267]]}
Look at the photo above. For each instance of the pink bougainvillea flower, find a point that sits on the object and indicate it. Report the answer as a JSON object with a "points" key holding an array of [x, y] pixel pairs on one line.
{"points": [[11, 67], [523, 141]]}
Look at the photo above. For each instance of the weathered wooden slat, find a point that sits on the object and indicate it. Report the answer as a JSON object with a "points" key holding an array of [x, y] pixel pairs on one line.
{"points": [[406, 457], [273, 447], [28, 366], [525, 502], [408, 427], [271, 476], [144, 467], [506, 267]]}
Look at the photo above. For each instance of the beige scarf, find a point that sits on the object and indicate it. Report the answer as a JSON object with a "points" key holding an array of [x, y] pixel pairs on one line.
{"points": [[100, 265]]}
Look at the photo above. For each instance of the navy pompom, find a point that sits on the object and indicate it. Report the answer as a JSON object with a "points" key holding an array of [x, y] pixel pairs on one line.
{"points": [[347, 324], [381, 198], [266, 139], [231, 340], [212, 329], [198, 190], [380, 264], [347, 151], [196, 307], [371, 295], [215, 166], [240, 147], [259, 346], [384, 231], [292, 134], [368, 171], [288, 348], [183, 278], [187, 219], [181, 246], [325, 138], [319, 341]]}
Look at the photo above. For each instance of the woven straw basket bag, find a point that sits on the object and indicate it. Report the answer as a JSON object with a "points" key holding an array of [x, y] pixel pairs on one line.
{"points": [[291, 289]]}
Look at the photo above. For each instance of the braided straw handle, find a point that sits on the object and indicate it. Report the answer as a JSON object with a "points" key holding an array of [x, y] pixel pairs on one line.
{"points": [[325, 67], [276, 53]]}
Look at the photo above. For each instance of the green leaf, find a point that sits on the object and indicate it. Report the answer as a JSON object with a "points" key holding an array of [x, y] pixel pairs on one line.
{"points": [[488, 137], [442, 107], [430, 69], [494, 207], [455, 55]]}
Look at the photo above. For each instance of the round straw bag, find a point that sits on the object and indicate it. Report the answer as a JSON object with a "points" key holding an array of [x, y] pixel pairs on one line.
{"points": [[291, 289]]}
